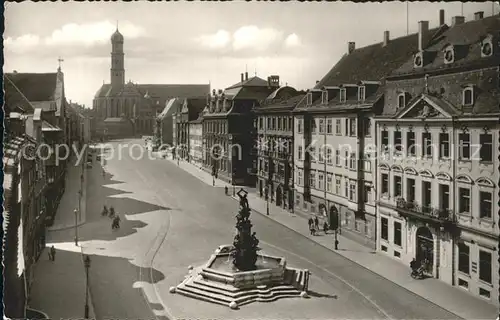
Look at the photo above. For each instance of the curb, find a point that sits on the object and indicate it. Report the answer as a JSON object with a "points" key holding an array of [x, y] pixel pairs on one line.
{"points": [[357, 263]]}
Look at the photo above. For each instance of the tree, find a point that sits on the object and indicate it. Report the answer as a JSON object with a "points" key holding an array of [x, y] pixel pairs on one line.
{"points": [[245, 243]]}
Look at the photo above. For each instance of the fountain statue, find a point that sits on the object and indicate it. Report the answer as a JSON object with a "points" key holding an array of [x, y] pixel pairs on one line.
{"points": [[238, 274], [245, 243]]}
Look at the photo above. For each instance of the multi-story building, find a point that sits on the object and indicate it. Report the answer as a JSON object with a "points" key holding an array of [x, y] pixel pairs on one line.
{"points": [[334, 173], [275, 146], [195, 142], [189, 111], [165, 126], [229, 134], [437, 171]]}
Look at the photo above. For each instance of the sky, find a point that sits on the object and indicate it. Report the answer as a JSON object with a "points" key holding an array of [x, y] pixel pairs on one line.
{"points": [[204, 42]]}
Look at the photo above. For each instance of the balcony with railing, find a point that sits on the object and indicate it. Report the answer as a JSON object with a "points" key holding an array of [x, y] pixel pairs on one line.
{"points": [[415, 210]]}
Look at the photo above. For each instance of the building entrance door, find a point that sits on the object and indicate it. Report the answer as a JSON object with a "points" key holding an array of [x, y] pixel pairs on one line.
{"points": [[425, 248]]}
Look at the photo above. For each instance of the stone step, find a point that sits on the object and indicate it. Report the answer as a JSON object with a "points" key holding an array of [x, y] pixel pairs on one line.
{"points": [[215, 288], [201, 295]]}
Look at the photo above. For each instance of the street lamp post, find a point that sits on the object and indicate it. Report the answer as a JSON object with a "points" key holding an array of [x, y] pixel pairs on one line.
{"points": [[87, 267], [76, 227], [267, 198]]}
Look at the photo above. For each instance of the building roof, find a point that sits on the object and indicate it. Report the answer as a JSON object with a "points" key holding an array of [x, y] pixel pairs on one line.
{"points": [[251, 82], [281, 99], [46, 126], [172, 106], [466, 39], [14, 98], [373, 62], [195, 107], [35, 86], [117, 36]]}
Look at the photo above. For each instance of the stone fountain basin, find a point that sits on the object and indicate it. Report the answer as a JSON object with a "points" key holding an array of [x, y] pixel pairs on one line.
{"points": [[270, 270]]}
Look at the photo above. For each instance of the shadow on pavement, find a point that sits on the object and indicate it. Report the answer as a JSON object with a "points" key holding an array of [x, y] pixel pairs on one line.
{"points": [[321, 295]]}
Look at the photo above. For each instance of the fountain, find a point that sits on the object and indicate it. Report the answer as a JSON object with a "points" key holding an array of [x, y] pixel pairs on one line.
{"points": [[243, 274]]}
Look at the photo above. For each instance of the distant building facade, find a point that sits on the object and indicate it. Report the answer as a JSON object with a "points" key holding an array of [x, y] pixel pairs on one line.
{"points": [[190, 110], [275, 146], [132, 108], [195, 142]]}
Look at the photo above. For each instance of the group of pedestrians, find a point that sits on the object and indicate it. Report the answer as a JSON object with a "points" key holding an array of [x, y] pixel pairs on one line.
{"points": [[314, 226]]}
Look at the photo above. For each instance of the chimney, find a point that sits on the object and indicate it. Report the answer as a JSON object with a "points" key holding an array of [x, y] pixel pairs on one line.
{"points": [[242, 77], [478, 15], [455, 21], [386, 38], [350, 47], [246, 75], [423, 34], [441, 17], [273, 81]]}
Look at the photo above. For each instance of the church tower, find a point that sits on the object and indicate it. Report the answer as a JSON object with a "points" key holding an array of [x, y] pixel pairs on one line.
{"points": [[117, 60]]}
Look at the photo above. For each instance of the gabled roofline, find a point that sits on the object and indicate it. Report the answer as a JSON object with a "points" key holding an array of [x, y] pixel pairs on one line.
{"points": [[429, 101]]}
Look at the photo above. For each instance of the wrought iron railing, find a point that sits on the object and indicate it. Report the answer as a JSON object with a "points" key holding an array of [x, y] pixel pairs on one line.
{"points": [[437, 213]]}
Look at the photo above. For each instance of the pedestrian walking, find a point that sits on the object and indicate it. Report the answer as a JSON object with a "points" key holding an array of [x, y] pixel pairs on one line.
{"points": [[52, 254], [310, 222], [325, 227], [226, 190], [316, 222]]}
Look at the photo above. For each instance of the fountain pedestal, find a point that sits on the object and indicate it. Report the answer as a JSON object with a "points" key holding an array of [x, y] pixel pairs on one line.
{"points": [[218, 281]]}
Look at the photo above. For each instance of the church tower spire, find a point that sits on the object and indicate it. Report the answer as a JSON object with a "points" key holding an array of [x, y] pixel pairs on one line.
{"points": [[117, 71]]}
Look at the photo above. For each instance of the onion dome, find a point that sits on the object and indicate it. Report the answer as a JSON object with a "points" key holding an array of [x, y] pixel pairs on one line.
{"points": [[117, 36]]}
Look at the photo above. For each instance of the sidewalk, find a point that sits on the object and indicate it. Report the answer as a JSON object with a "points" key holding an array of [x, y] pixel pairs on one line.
{"points": [[65, 217], [58, 287], [450, 298]]}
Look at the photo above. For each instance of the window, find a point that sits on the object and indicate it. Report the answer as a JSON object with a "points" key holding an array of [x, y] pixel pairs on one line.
{"points": [[352, 191], [398, 141], [321, 126], [367, 228], [464, 200], [397, 233], [367, 164], [352, 164], [398, 188], [321, 154], [324, 97], [468, 97], [273, 126], [299, 125], [346, 128], [309, 98], [312, 153], [401, 101], [329, 182], [367, 127], [410, 190], [353, 132], [261, 123], [285, 123], [337, 157], [385, 228], [485, 208], [366, 193], [338, 127], [320, 181], [485, 266], [410, 144], [444, 146], [299, 154], [426, 196], [313, 125], [463, 258], [486, 151], [312, 179], [385, 183], [385, 141], [464, 146], [346, 160], [337, 185], [299, 178], [346, 187], [329, 126], [427, 144], [342, 95], [444, 197], [361, 93], [329, 155]]}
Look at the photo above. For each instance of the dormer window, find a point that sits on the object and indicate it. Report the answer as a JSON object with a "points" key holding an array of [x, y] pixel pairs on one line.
{"points": [[449, 55], [487, 47], [401, 100], [418, 60], [468, 96], [309, 98], [324, 97], [361, 93], [342, 95]]}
